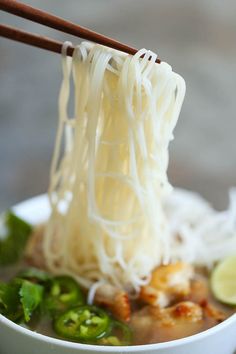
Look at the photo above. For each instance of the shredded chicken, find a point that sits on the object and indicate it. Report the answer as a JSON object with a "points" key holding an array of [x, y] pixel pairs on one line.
{"points": [[200, 293], [159, 325], [168, 283], [213, 312], [186, 310], [115, 300], [199, 290]]}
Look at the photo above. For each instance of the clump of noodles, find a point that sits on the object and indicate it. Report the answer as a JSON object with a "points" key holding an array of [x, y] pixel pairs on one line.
{"points": [[199, 234], [109, 169]]}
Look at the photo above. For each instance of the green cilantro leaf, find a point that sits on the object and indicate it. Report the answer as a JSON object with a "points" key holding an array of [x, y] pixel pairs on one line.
{"points": [[31, 295], [10, 305], [35, 275], [14, 233]]}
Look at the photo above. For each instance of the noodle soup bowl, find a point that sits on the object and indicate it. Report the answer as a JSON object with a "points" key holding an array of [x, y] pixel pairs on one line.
{"points": [[220, 339]]}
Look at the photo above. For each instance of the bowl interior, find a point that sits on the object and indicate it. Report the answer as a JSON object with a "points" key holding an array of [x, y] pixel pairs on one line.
{"points": [[36, 211]]}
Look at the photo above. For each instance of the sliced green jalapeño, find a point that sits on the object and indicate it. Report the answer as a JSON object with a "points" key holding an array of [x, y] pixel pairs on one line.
{"points": [[121, 334], [84, 323], [123, 331], [64, 292]]}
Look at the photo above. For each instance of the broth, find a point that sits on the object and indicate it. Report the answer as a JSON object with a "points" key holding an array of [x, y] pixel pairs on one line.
{"points": [[150, 324]]}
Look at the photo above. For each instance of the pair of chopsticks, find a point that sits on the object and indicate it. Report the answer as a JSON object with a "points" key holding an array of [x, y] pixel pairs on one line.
{"points": [[49, 20]]}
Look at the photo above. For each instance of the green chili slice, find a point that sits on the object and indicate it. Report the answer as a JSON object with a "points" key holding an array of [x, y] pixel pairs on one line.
{"points": [[84, 323], [121, 334], [123, 331], [64, 292]]}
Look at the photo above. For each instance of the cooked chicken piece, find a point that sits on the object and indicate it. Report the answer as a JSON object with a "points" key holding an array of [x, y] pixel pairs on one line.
{"points": [[200, 293], [185, 310], [153, 324], [115, 300], [199, 290], [168, 283], [213, 312], [34, 249]]}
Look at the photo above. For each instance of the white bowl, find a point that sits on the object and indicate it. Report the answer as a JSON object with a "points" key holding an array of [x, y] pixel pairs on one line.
{"points": [[220, 339]]}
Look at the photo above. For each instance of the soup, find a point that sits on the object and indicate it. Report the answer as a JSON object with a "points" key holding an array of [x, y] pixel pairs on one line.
{"points": [[124, 257], [177, 302]]}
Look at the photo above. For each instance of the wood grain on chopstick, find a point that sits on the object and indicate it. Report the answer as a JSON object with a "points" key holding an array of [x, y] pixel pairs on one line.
{"points": [[49, 20], [33, 39]]}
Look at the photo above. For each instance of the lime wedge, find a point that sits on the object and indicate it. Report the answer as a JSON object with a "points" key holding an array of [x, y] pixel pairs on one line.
{"points": [[223, 281]]}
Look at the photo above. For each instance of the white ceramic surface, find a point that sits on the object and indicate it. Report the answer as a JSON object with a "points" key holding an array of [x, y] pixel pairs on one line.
{"points": [[14, 339]]}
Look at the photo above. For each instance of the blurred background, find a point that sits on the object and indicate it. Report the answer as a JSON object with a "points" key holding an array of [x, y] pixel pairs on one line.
{"points": [[198, 38]]}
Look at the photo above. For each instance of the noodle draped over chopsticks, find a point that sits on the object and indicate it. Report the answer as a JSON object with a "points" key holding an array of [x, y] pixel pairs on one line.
{"points": [[109, 169]]}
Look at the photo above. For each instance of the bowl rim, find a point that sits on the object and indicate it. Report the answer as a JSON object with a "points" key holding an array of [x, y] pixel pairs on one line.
{"points": [[133, 348], [22, 209]]}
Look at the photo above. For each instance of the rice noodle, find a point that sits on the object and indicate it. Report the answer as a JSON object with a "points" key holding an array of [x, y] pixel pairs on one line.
{"points": [[200, 234], [108, 175]]}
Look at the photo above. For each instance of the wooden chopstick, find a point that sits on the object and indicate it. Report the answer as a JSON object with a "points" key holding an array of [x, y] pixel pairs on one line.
{"points": [[33, 39], [58, 23]]}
